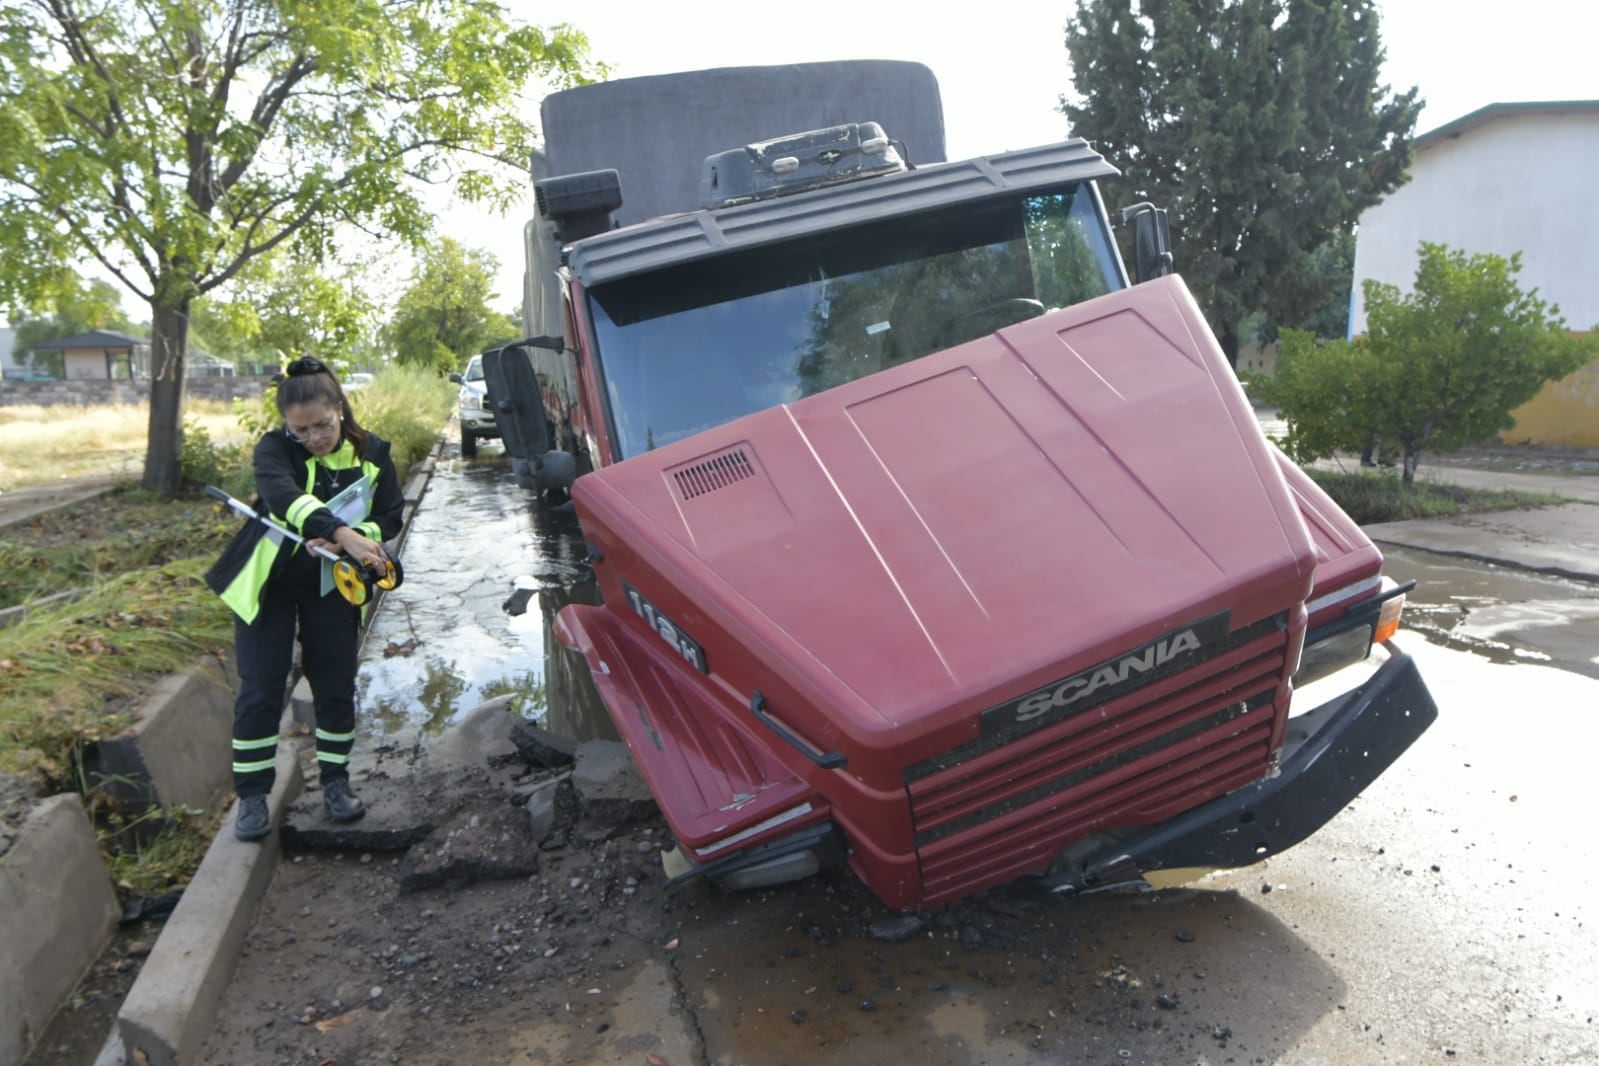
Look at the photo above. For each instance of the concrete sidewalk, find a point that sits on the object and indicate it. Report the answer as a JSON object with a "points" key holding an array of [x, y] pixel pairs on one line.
{"points": [[1563, 541], [1560, 540], [19, 505], [1583, 487]]}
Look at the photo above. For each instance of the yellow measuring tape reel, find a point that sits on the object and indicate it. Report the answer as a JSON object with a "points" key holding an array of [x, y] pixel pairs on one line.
{"points": [[356, 583]]}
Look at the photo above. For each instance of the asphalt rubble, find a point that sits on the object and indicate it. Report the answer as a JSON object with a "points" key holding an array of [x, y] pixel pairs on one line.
{"points": [[480, 803]]}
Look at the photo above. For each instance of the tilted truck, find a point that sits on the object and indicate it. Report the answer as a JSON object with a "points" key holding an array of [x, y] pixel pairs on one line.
{"points": [[928, 541]]}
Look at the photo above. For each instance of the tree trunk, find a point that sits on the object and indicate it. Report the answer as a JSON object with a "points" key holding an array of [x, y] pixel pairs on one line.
{"points": [[1412, 458], [169, 359], [1227, 336]]}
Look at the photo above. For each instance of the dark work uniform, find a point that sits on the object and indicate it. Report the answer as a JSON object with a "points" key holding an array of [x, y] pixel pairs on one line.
{"points": [[284, 584]]}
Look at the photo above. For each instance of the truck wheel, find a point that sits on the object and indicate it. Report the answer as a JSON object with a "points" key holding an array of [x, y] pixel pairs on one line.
{"points": [[468, 445]]}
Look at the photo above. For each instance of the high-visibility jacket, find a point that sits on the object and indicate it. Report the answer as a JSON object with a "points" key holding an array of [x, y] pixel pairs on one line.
{"points": [[293, 487]]}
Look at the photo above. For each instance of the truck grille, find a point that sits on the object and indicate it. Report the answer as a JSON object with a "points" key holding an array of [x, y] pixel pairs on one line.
{"points": [[1005, 805]]}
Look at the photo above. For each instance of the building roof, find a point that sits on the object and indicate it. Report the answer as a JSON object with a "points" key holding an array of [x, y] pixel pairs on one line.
{"points": [[95, 338], [1484, 115]]}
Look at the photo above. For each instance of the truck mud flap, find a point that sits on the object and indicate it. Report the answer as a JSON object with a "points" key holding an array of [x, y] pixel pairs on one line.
{"points": [[1330, 755]]}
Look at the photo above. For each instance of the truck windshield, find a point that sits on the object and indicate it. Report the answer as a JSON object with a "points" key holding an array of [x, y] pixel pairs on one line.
{"points": [[686, 349]]}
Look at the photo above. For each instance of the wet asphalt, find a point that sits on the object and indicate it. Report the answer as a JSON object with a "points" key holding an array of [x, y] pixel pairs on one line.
{"points": [[1445, 916]]}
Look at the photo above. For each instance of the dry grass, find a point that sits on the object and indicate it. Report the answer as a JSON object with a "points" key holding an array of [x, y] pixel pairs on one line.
{"points": [[39, 444]]}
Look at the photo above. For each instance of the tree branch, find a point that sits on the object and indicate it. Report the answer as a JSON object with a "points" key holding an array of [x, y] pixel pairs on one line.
{"points": [[83, 53], [266, 110]]}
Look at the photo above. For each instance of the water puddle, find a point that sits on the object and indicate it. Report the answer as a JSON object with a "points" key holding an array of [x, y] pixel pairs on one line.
{"points": [[1500, 614], [486, 569]]}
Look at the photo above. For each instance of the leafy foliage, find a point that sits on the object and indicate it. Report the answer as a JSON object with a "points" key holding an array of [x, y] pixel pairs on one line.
{"points": [[1441, 367], [406, 406], [285, 305], [1260, 124], [443, 318], [205, 462], [175, 141]]}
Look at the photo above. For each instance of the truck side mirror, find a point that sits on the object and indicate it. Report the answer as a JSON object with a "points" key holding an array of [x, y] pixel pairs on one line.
{"points": [[1152, 256]]}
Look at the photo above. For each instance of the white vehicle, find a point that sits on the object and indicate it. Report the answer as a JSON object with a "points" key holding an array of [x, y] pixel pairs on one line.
{"points": [[477, 418]]}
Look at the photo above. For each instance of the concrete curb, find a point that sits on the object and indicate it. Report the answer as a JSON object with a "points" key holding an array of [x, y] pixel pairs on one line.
{"points": [[56, 882], [169, 1010], [180, 749], [57, 910], [173, 1003]]}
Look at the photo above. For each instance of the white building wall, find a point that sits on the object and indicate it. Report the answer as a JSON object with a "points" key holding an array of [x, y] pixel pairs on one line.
{"points": [[1521, 182]]}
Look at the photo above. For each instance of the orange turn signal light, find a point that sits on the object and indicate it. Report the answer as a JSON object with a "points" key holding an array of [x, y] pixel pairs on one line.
{"points": [[1388, 619]]}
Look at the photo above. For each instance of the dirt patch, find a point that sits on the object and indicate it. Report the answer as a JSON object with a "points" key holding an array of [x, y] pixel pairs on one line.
{"points": [[344, 967]]}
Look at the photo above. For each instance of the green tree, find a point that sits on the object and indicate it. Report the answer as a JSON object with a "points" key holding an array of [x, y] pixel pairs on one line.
{"points": [[174, 141], [287, 305], [63, 305], [1438, 368], [443, 318], [1261, 125]]}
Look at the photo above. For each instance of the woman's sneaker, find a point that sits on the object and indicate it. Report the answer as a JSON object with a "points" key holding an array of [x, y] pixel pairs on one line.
{"points": [[253, 820], [341, 804]]}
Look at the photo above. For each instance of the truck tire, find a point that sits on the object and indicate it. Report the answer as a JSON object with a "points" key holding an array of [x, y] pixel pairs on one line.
{"points": [[468, 444]]}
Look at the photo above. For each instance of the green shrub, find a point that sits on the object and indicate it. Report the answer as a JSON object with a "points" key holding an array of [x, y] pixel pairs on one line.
{"points": [[1373, 496], [204, 462], [408, 407]]}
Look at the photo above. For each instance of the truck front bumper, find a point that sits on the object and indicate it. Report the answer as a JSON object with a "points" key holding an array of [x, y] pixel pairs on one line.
{"points": [[1329, 756]]}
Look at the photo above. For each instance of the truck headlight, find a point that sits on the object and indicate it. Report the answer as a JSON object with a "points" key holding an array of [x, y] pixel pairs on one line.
{"points": [[1348, 640]]}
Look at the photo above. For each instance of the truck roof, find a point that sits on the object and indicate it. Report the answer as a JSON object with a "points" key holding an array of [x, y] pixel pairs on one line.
{"points": [[656, 130], [688, 236]]}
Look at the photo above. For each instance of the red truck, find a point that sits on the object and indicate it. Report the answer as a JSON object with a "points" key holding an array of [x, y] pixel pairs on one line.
{"points": [[928, 540]]}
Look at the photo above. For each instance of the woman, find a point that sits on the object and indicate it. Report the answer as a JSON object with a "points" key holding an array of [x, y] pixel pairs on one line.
{"points": [[320, 457]]}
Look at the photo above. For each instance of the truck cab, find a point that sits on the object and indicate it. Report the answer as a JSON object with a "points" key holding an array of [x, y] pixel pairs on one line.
{"points": [[931, 542]]}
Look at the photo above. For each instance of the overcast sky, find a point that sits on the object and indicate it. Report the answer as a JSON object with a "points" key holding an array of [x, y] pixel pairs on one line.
{"points": [[1001, 74]]}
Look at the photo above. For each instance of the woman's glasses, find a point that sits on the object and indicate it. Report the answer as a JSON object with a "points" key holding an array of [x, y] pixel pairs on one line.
{"points": [[325, 428]]}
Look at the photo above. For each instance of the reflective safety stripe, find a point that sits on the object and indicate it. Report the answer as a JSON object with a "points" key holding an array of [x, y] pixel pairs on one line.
{"points": [[301, 509], [328, 756], [254, 767], [251, 745], [337, 738], [370, 531]]}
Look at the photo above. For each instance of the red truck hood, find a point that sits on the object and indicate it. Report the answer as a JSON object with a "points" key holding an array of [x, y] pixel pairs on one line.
{"points": [[966, 527]]}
